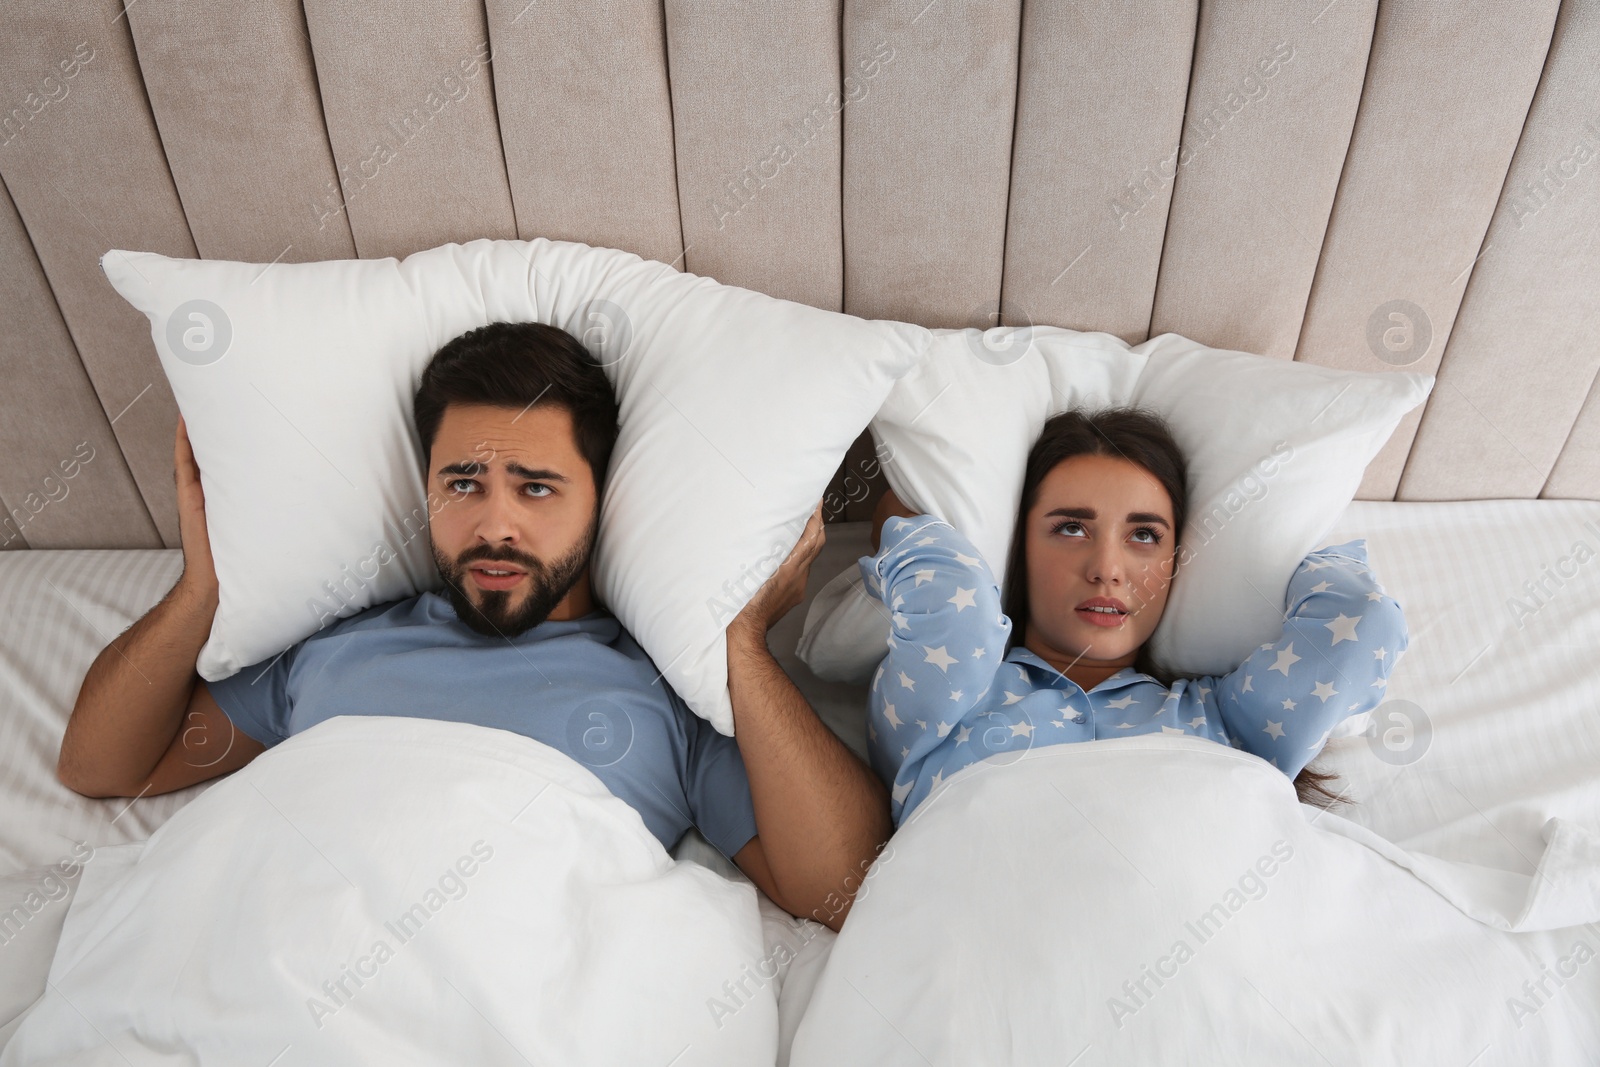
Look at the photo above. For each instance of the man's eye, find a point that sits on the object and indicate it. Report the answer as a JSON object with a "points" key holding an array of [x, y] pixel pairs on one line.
{"points": [[544, 490], [455, 486]]}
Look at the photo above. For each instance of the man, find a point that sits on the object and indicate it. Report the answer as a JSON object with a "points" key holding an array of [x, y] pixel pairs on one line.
{"points": [[517, 422]]}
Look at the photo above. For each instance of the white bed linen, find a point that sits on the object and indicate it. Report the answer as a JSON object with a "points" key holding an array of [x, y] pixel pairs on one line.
{"points": [[1166, 900], [396, 889]]}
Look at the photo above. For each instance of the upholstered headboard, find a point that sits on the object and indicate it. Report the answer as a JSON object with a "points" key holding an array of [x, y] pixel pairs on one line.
{"points": [[1414, 183]]}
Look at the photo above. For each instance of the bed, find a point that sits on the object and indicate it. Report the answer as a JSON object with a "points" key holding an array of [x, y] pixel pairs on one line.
{"points": [[1490, 761], [1359, 185]]}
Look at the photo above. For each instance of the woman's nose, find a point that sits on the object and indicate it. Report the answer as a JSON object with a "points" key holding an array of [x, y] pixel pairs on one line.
{"points": [[1106, 566]]}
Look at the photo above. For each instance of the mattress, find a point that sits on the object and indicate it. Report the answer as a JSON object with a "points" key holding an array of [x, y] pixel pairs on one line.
{"points": [[1491, 724]]}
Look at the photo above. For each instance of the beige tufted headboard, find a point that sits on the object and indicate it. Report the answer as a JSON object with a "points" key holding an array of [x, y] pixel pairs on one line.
{"points": [[1413, 183]]}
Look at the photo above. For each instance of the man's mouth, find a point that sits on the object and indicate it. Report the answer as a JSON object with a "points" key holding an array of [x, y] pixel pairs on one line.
{"points": [[1102, 611], [496, 576]]}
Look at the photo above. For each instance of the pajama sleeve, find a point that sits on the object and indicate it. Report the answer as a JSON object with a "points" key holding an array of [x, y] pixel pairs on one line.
{"points": [[1342, 635], [947, 637]]}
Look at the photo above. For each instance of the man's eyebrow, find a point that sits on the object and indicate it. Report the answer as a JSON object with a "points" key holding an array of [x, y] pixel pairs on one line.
{"points": [[1089, 513], [472, 468], [535, 475]]}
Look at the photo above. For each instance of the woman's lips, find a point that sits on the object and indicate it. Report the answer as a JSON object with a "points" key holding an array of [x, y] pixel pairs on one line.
{"points": [[1101, 618]]}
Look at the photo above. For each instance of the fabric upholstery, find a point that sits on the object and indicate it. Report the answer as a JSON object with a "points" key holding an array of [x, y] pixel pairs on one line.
{"points": [[945, 162]]}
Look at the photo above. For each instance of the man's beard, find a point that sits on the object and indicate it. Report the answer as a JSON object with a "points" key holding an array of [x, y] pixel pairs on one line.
{"points": [[496, 618]]}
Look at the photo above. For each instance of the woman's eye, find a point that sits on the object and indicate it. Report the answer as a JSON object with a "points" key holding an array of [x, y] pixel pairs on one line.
{"points": [[1154, 536], [1068, 525]]}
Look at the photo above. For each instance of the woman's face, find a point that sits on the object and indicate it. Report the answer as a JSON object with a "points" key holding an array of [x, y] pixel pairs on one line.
{"points": [[1100, 535]]}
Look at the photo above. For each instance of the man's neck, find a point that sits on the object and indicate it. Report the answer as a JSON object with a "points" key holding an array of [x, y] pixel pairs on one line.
{"points": [[578, 602]]}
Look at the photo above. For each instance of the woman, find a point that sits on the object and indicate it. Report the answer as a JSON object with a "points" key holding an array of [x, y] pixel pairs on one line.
{"points": [[1092, 559]]}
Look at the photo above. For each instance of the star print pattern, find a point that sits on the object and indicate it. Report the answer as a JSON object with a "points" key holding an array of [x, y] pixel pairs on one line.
{"points": [[1341, 636]]}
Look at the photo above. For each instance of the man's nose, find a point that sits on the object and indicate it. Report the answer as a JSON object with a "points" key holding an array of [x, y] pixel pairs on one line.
{"points": [[497, 517]]}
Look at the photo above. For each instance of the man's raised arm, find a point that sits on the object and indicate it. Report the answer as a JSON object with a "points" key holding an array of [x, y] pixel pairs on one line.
{"points": [[822, 815], [144, 723]]}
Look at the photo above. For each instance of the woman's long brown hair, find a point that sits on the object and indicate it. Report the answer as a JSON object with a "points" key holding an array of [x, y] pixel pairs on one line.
{"points": [[1142, 437]]}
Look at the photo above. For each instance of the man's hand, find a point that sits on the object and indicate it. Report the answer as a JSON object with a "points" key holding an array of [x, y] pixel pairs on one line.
{"points": [[144, 722], [786, 589], [199, 571]]}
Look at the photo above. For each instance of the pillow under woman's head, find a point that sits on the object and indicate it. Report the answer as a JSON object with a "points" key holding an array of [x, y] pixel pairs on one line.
{"points": [[1275, 450], [297, 383]]}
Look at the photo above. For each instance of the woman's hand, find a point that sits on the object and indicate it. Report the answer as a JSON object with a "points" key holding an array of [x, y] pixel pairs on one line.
{"points": [[787, 586], [199, 572]]}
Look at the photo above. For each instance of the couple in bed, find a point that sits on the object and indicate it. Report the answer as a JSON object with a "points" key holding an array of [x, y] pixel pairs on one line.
{"points": [[518, 421]]}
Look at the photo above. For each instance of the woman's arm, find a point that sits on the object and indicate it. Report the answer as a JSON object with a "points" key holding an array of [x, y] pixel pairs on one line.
{"points": [[1342, 635], [947, 637], [888, 505]]}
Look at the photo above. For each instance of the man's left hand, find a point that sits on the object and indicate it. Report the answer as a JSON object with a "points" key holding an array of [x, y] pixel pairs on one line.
{"points": [[787, 586]]}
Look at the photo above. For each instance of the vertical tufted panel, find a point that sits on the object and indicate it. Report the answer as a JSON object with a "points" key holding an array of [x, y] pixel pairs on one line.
{"points": [[87, 173], [586, 120], [1447, 90], [63, 483], [235, 98], [1100, 102], [1522, 356], [927, 155], [1577, 471], [1271, 105], [1253, 174], [409, 99], [755, 92]]}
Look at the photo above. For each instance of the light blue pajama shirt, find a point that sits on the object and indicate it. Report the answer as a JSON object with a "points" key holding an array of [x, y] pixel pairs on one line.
{"points": [[944, 697]]}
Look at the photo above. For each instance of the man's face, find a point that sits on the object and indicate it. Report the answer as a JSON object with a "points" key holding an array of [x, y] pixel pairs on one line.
{"points": [[510, 492]]}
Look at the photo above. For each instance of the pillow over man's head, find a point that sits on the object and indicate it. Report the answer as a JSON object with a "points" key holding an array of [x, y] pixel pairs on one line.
{"points": [[297, 380]]}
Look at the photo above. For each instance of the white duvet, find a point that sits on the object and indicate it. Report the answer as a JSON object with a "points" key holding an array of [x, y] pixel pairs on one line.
{"points": [[398, 890], [1159, 900]]}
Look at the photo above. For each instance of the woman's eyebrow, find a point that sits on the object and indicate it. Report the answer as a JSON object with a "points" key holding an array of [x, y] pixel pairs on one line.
{"points": [[1090, 513]]}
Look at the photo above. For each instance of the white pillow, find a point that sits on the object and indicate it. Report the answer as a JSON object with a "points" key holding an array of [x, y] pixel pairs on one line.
{"points": [[296, 382], [1276, 449]]}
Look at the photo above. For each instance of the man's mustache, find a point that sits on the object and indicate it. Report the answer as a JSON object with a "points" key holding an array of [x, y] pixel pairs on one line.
{"points": [[527, 563]]}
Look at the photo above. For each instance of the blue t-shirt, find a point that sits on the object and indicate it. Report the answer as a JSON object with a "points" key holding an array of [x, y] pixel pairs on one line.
{"points": [[582, 686]]}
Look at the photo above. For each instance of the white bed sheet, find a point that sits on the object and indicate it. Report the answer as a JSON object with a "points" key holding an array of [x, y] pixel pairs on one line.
{"points": [[1511, 696]]}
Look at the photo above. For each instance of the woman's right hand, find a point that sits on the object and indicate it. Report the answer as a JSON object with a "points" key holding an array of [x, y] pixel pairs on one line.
{"points": [[888, 504], [199, 571]]}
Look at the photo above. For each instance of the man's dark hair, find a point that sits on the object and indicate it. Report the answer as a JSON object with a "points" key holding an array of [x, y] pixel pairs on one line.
{"points": [[518, 365]]}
